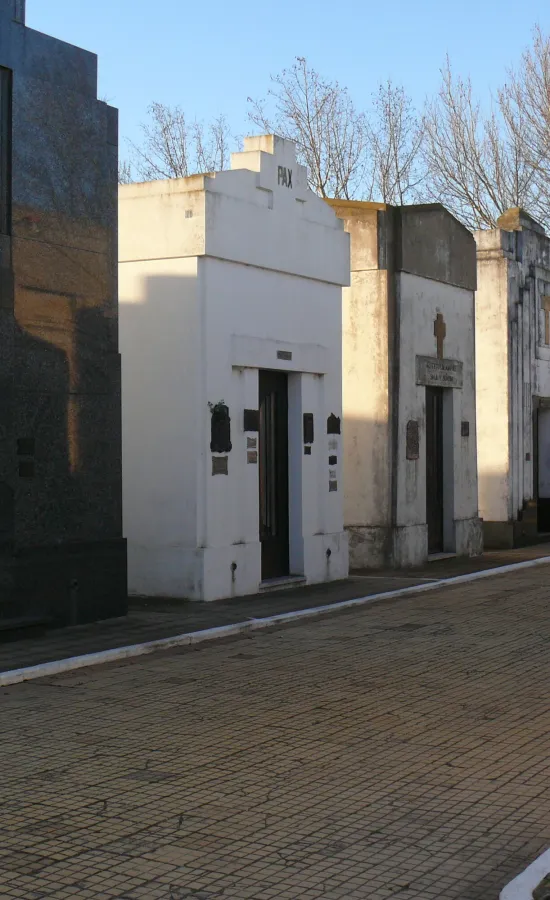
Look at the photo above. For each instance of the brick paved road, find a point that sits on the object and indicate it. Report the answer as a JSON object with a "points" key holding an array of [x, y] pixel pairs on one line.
{"points": [[397, 751]]}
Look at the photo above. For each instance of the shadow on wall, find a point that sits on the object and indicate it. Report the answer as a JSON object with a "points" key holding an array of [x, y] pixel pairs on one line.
{"points": [[64, 493], [159, 320]]}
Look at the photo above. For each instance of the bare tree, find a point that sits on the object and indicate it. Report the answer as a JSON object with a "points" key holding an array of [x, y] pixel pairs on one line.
{"points": [[331, 136], [396, 134], [125, 175], [173, 147], [525, 104], [476, 163]]}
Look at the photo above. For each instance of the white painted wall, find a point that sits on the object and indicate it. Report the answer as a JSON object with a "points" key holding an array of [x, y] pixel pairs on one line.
{"points": [[239, 267], [159, 318]]}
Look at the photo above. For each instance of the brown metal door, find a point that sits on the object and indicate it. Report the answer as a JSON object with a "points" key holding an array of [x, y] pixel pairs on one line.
{"points": [[273, 472], [434, 468]]}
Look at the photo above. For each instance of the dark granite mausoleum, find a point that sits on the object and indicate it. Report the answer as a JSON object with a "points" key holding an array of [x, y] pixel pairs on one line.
{"points": [[62, 555]]}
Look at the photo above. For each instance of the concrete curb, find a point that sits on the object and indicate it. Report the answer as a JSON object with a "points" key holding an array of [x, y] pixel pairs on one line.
{"points": [[43, 670], [522, 887]]}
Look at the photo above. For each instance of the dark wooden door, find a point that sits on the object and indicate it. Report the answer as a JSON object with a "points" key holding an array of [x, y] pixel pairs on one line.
{"points": [[273, 471], [434, 468]]}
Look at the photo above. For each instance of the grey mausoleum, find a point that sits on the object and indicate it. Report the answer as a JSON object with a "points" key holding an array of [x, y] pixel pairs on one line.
{"points": [[62, 556]]}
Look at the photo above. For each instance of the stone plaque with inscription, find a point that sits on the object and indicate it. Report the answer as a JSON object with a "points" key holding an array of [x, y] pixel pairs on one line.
{"points": [[219, 465], [434, 372]]}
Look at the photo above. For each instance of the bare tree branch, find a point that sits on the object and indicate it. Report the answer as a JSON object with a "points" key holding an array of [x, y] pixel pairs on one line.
{"points": [[175, 148], [525, 105], [331, 136], [397, 135], [476, 163]]}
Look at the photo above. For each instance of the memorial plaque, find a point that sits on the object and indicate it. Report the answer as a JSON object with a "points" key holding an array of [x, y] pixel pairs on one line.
{"points": [[284, 354], [433, 372], [308, 428], [413, 439], [252, 420], [252, 457], [465, 429], [251, 443], [333, 424], [219, 465], [332, 486]]}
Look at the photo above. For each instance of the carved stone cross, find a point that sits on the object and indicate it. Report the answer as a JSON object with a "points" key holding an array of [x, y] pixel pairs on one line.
{"points": [[440, 332], [546, 308]]}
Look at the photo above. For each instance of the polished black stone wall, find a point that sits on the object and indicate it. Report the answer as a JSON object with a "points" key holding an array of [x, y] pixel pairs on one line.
{"points": [[62, 556]]}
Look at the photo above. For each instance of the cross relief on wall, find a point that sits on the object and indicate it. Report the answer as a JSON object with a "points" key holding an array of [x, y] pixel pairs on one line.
{"points": [[438, 371], [440, 333]]}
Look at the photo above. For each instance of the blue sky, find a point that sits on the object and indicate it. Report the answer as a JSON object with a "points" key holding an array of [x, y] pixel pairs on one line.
{"points": [[210, 57]]}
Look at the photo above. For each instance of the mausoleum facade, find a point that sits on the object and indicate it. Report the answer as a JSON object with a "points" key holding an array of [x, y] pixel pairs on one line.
{"points": [[231, 306], [410, 482]]}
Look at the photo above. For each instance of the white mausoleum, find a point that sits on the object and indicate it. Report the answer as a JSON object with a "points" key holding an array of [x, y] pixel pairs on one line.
{"points": [[231, 333], [513, 380], [409, 385]]}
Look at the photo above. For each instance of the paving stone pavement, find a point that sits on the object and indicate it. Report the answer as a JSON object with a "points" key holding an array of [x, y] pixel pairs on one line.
{"points": [[399, 750]]}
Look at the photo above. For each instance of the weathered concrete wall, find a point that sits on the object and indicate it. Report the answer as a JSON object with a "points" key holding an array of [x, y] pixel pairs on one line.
{"points": [[408, 265], [60, 505], [493, 379], [421, 299]]}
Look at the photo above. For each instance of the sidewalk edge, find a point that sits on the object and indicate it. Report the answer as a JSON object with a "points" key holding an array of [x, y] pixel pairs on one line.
{"points": [[43, 670]]}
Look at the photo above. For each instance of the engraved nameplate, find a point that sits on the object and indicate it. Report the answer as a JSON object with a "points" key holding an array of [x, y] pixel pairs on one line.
{"points": [[433, 372]]}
